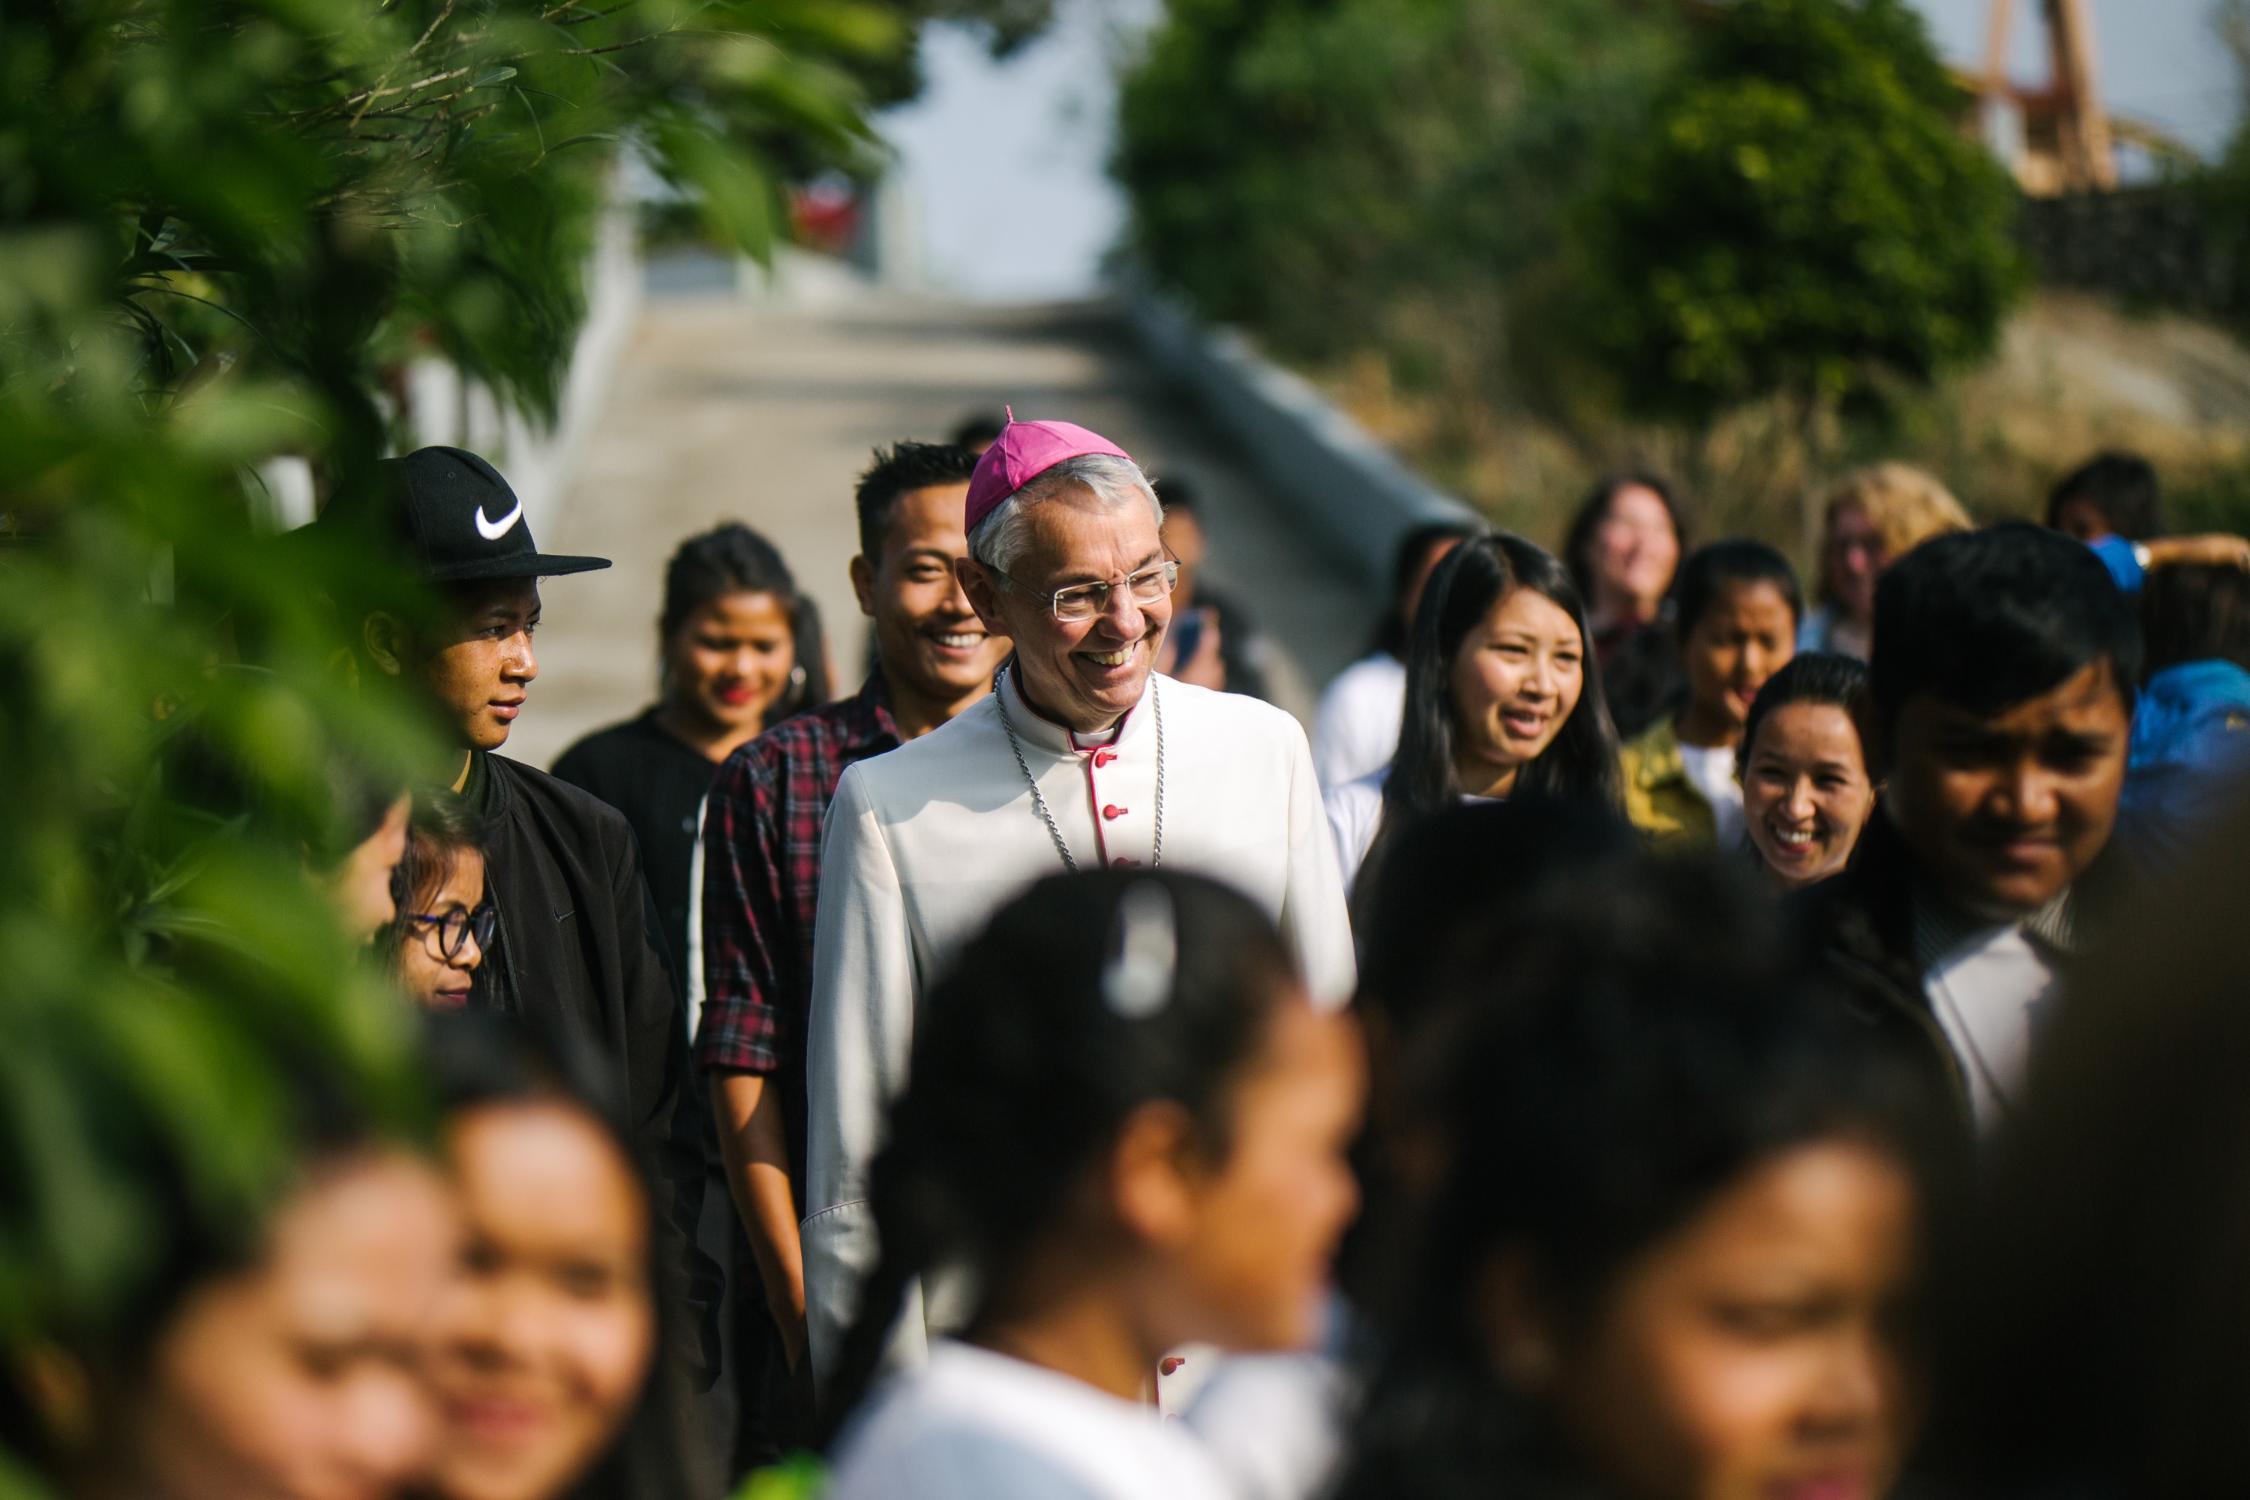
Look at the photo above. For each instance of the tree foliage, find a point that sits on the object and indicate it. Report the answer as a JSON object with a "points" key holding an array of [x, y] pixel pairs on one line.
{"points": [[1802, 216], [1365, 173], [221, 223]]}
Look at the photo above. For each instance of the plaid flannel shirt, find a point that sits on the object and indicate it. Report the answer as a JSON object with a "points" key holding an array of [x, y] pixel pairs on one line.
{"points": [[761, 877]]}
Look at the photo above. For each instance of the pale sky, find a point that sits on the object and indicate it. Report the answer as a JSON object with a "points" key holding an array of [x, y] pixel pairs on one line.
{"points": [[1002, 164]]}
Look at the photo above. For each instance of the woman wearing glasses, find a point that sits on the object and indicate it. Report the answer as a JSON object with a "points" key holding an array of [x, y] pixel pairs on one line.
{"points": [[444, 922]]}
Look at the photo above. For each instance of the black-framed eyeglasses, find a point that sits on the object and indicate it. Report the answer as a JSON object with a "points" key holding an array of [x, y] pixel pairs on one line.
{"points": [[453, 928], [1084, 601]]}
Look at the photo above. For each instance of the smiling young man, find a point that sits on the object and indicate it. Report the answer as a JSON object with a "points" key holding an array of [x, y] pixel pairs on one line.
{"points": [[1081, 756], [2002, 683], [574, 951], [761, 862]]}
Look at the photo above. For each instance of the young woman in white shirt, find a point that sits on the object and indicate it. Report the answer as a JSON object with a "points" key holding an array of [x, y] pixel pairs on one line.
{"points": [[1125, 1131], [1503, 697]]}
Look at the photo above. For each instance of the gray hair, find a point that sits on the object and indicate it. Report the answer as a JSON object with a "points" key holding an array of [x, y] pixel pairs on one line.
{"points": [[1000, 538]]}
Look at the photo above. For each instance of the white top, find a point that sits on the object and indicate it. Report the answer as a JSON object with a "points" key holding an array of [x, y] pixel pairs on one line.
{"points": [[1986, 993], [1711, 770], [1355, 728], [1274, 1423], [974, 1425], [925, 842], [1355, 811]]}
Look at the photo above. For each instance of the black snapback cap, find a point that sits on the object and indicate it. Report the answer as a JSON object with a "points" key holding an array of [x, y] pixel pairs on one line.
{"points": [[455, 520]]}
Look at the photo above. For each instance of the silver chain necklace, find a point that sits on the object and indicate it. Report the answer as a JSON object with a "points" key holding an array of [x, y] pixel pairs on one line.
{"points": [[1039, 799]]}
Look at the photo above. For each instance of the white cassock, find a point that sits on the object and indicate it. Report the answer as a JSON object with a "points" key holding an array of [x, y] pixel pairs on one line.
{"points": [[925, 843]]}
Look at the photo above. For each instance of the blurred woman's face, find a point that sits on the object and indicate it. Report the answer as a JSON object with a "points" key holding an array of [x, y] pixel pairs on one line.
{"points": [[731, 660], [302, 1377], [1636, 550], [1753, 1353], [1514, 684], [360, 885], [1258, 1238], [1805, 791], [431, 977], [1852, 557], [544, 1342]]}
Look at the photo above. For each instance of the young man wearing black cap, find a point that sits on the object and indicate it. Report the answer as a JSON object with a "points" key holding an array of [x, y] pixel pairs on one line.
{"points": [[574, 953]]}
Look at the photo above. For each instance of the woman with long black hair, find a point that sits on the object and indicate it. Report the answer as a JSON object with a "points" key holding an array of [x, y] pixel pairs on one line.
{"points": [[1124, 1131], [740, 650], [1503, 698]]}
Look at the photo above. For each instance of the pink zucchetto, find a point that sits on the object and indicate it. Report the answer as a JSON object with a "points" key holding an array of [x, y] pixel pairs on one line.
{"points": [[1022, 452]]}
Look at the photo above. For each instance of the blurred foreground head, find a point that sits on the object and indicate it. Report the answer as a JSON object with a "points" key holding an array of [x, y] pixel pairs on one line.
{"points": [[2097, 1331], [1120, 1098], [1671, 1215], [546, 1354], [273, 1354]]}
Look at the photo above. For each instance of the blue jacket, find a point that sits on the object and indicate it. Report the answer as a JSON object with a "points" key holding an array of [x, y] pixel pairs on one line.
{"points": [[2189, 764]]}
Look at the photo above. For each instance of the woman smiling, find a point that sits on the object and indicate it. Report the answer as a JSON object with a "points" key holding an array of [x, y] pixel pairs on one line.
{"points": [[1503, 697]]}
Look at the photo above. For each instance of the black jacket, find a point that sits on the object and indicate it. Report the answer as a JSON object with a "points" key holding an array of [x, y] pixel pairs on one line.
{"points": [[1861, 925], [577, 958]]}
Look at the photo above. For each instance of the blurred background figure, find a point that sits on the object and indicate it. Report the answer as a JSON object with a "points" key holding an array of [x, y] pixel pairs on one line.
{"points": [[1873, 517], [739, 649], [1355, 729], [444, 922], [1806, 788], [2111, 494], [546, 1352], [1735, 613], [1624, 548], [1125, 1127], [977, 431], [1701, 1277], [1213, 641], [1503, 697], [2119, 1195], [2191, 729], [277, 1353]]}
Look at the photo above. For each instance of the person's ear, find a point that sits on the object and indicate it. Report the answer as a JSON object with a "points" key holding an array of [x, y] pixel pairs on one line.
{"points": [[982, 586], [1511, 1314], [863, 584], [386, 641], [1154, 1175]]}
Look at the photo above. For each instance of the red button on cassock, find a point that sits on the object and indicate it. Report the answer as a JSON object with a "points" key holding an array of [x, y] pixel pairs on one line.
{"points": [[1121, 862], [1103, 758], [1113, 812]]}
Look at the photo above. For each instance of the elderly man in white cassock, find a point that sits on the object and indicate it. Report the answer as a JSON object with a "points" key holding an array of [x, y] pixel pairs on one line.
{"points": [[1082, 756]]}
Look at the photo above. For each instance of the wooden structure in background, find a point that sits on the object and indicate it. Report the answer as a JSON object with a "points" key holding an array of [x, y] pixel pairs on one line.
{"points": [[2068, 143]]}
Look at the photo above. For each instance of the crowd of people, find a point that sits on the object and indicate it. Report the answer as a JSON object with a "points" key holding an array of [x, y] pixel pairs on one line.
{"points": [[1667, 1032]]}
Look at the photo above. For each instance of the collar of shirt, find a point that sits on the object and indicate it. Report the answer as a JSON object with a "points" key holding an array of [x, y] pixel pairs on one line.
{"points": [[1942, 929], [867, 714], [1134, 732]]}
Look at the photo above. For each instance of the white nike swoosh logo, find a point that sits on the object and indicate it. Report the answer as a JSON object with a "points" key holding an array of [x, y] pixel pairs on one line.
{"points": [[492, 531]]}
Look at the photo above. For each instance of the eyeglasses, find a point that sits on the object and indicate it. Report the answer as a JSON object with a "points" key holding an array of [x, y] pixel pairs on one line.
{"points": [[1083, 601], [454, 927]]}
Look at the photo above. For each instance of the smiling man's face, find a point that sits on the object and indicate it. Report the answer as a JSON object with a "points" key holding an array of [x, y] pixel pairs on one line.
{"points": [[481, 666], [1085, 674], [2004, 810]]}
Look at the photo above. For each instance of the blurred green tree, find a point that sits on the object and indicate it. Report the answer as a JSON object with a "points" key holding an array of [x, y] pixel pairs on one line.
{"points": [[1803, 217], [220, 222], [1372, 174]]}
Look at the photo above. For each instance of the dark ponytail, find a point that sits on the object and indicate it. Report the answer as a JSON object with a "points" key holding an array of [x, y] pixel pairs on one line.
{"points": [[733, 559], [1087, 997]]}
